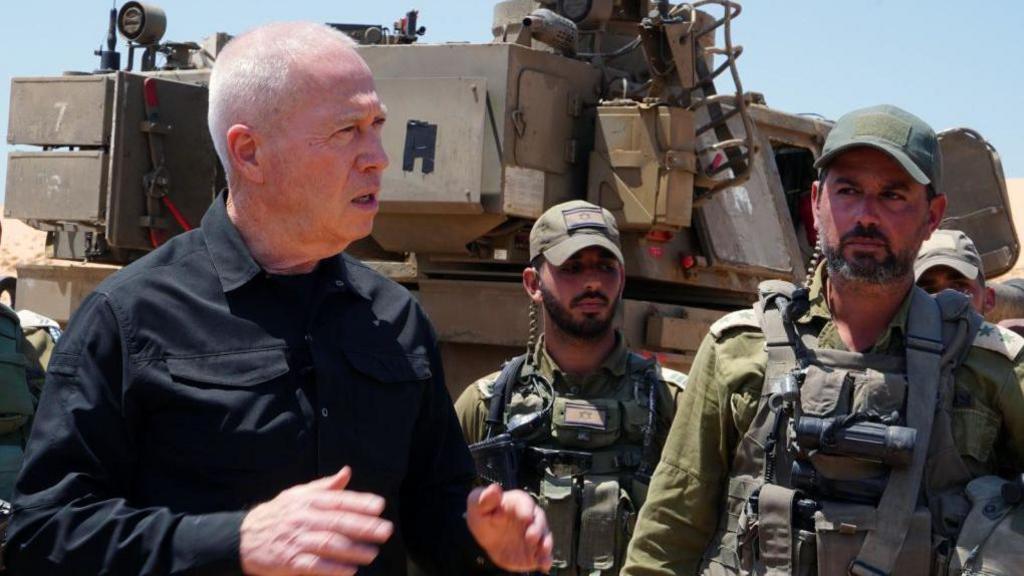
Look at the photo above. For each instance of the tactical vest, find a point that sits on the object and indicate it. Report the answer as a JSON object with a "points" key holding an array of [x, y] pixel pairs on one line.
{"points": [[589, 464], [17, 404], [829, 477]]}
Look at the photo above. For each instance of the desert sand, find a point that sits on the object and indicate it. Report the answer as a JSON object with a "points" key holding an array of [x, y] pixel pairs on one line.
{"points": [[20, 244]]}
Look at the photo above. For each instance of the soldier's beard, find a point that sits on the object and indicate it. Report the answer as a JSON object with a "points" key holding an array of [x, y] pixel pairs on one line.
{"points": [[864, 267], [590, 327]]}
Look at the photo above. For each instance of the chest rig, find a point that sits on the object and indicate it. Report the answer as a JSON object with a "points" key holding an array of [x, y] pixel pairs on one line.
{"points": [[587, 460], [849, 465]]}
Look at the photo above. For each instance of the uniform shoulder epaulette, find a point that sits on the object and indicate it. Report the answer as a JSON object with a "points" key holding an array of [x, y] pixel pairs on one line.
{"points": [[739, 319], [999, 340], [672, 377], [486, 385], [30, 319]]}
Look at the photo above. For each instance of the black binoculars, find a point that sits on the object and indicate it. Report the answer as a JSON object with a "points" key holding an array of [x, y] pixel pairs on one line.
{"points": [[872, 441], [804, 477]]}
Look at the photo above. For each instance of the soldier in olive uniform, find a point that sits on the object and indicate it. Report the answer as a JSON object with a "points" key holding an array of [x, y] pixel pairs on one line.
{"points": [[834, 428], [595, 413], [949, 260]]}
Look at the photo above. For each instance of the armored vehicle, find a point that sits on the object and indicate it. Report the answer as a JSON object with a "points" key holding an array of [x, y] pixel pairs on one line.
{"points": [[635, 105]]}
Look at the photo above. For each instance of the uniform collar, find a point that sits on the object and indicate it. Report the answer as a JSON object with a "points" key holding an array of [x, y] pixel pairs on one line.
{"points": [[615, 364], [236, 267], [820, 313]]}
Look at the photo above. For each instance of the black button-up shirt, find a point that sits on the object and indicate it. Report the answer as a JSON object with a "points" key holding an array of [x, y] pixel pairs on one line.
{"points": [[192, 386]]}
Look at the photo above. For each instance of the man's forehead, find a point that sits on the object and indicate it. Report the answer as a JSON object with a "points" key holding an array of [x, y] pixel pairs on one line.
{"points": [[881, 171]]}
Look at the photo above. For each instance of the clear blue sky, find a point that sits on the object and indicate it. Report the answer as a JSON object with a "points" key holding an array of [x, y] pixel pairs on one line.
{"points": [[952, 63]]}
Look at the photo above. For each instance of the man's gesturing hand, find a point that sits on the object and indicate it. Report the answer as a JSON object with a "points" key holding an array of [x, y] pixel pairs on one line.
{"points": [[317, 528], [511, 528]]}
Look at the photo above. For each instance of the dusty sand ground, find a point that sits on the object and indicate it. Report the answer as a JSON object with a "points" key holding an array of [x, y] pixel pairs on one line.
{"points": [[1015, 189], [22, 244]]}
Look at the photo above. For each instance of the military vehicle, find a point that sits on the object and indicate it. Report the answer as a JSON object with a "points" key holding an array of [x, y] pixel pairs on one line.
{"points": [[636, 105]]}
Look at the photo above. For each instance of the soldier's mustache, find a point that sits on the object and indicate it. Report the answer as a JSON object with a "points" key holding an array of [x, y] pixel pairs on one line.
{"points": [[862, 233], [589, 296]]}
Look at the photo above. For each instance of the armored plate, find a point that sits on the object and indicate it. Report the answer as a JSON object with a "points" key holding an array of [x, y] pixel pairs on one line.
{"points": [[62, 111], [189, 157], [59, 185], [748, 226], [435, 140], [972, 179]]}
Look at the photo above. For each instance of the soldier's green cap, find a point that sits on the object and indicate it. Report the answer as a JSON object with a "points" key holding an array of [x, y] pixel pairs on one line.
{"points": [[950, 248], [903, 136], [567, 228]]}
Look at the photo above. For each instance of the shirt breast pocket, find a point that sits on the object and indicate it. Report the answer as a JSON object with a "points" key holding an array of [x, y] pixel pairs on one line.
{"points": [[231, 411], [975, 431], [386, 391]]}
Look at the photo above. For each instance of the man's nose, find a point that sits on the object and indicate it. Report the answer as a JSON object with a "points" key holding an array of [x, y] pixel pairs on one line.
{"points": [[866, 211], [592, 281], [373, 156]]}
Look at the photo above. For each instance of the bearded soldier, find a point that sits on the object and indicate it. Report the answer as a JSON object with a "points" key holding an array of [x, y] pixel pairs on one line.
{"points": [[853, 425], [583, 416]]}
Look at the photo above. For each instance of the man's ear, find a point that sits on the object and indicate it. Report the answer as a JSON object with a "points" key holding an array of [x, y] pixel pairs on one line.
{"points": [[989, 300], [531, 283], [936, 210], [244, 153]]}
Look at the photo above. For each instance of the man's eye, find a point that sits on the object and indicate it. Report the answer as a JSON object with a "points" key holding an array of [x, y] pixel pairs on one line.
{"points": [[893, 196], [380, 122]]}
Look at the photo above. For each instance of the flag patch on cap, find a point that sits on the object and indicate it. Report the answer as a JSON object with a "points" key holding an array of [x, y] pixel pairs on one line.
{"points": [[883, 126], [583, 218]]}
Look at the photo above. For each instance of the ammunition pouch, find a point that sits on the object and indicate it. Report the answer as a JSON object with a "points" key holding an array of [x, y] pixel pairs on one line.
{"points": [[840, 529], [559, 496], [991, 541], [775, 534]]}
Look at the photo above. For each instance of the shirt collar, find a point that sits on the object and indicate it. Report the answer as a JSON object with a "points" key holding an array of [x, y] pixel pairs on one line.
{"points": [[819, 311], [236, 267], [345, 272], [615, 364], [231, 257]]}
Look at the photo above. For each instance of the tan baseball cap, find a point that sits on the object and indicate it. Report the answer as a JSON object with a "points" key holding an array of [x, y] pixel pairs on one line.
{"points": [[950, 248], [567, 228]]}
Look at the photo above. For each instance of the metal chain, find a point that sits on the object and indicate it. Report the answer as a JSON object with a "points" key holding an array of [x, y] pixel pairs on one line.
{"points": [[531, 340]]}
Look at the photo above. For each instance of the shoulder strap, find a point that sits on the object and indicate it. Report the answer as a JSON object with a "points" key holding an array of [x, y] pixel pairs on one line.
{"points": [[503, 386], [780, 342], [925, 349], [956, 309]]}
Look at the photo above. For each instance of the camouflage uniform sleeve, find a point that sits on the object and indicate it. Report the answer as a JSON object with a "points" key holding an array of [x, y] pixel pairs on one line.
{"points": [[471, 408], [673, 383], [683, 502], [1011, 407], [993, 421]]}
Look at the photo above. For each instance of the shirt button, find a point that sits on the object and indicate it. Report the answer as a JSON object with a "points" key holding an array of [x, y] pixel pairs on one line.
{"points": [[323, 412], [339, 283], [309, 338]]}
